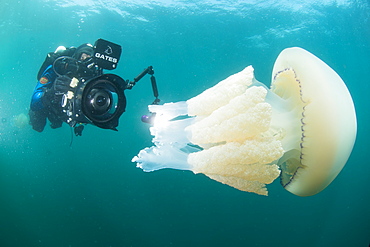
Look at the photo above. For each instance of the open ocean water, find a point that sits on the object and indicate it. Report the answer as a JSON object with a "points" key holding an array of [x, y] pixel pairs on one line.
{"points": [[91, 194]]}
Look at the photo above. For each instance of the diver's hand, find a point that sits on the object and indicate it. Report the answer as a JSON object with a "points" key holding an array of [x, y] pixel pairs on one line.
{"points": [[61, 85], [66, 66], [53, 96], [51, 99]]}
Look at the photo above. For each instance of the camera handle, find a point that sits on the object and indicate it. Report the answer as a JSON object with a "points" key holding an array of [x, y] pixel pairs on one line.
{"points": [[146, 71]]}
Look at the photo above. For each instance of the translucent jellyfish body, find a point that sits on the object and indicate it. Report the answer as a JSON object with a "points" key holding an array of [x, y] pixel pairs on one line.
{"points": [[244, 135]]}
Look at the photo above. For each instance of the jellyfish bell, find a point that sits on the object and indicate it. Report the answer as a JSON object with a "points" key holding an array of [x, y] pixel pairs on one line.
{"points": [[327, 120], [21, 120], [244, 135]]}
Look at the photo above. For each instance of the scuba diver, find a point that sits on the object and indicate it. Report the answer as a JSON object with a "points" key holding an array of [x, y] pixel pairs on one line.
{"points": [[72, 88]]}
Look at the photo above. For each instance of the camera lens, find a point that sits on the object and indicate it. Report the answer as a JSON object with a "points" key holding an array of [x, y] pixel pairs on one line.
{"points": [[103, 101], [99, 101]]}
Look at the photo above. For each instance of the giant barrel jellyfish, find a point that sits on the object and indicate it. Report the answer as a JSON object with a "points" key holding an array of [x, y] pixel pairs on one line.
{"points": [[245, 135]]}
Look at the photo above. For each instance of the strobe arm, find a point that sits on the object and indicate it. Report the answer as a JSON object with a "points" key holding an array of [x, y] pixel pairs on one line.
{"points": [[155, 90], [149, 71]]}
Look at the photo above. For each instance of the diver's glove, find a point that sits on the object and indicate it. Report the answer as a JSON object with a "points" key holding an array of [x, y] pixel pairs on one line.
{"points": [[66, 66], [61, 85], [53, 95]]}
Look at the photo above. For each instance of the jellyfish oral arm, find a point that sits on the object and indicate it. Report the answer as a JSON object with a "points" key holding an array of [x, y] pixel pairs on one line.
{"points": [[171, 143], [230, 142]]}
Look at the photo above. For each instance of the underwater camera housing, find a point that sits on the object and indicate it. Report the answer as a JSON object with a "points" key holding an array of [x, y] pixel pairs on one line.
{"points": [[99, 100]]}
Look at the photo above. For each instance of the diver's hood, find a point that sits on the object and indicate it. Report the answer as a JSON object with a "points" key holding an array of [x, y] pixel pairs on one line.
{"points": [[84, 48]]}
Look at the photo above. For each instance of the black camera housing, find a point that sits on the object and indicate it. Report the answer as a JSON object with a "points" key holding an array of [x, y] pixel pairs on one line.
{"points": [[90, 97], [99, 101]]}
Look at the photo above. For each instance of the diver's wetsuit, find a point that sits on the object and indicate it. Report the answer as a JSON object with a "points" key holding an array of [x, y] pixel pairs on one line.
{"points": [[40, 108], [47, 96]]}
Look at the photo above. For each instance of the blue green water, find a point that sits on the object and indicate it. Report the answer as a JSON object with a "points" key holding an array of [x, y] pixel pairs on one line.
{"points": [[91, 194]]}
